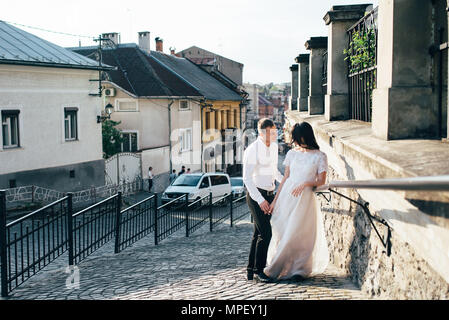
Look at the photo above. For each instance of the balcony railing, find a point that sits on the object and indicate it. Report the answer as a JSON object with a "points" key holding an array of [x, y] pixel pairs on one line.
{"points": [[362, 66]]}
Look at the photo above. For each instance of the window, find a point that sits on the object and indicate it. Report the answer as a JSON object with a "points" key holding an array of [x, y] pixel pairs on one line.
{"points": [[218, 180], [187, 180], [126, 105], [71, 123], [129, 143], [12, 183], [185, 139], [184, 105], [205, 183], [237, 182], [10, 128], [72, 173]]}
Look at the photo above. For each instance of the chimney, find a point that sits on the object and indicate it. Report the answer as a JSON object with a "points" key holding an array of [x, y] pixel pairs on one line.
{"points": [[114, 36], [159, 44], [144, 41]]}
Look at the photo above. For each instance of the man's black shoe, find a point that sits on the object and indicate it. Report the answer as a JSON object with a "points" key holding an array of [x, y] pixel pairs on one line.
{"points": [[262, 277], [250, 275]]}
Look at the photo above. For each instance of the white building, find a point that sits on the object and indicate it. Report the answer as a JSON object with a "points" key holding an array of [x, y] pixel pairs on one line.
{"points": [[50, 136]]}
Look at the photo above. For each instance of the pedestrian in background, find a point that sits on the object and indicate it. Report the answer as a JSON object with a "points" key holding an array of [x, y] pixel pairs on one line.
{"points": [[172, 176], [188, 170], [183, 170], [150, 178]]}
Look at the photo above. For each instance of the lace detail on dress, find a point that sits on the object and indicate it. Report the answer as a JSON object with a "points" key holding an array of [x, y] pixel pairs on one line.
{"points": [[288, 158], [322, 164]]}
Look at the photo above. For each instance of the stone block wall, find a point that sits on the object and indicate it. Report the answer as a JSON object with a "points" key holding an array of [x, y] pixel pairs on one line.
{"points": [[355, 247]]}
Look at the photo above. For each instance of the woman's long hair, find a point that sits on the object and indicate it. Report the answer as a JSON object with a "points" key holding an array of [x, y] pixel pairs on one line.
{"points": [[302, 134]]}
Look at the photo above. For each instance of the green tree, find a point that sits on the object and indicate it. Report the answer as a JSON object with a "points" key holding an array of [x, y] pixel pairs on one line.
{"points": [[112, 138]]}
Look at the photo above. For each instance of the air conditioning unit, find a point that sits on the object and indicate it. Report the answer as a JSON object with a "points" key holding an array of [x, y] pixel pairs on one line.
{"points": [[109, 92]]}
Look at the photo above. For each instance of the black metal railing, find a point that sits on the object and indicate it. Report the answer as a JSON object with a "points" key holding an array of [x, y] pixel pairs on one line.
{"points": [[198, 214], [136, 222], [362, 66], [324, 73], [93, 227], [239, 210], [31, 242], [169, 218], [221, 209]]}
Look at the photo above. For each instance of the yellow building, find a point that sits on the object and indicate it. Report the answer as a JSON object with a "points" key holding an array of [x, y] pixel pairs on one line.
{"points": [[221, 115]]}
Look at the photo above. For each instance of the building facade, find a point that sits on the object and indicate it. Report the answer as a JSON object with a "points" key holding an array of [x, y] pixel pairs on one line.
{"points": [[209, 60], [50, 136]]}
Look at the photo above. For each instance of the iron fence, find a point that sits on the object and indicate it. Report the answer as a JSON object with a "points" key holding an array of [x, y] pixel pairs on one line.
{"points": [[239, 210], [169, 218], [93, 227], [198, 214], [324, 73], [362, 66], [136, 222], [30, 243], [220, 210]]}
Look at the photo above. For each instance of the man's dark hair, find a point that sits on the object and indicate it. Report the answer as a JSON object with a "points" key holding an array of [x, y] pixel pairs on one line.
{"points": [[174, 170], [265, 123], [183, 167]]}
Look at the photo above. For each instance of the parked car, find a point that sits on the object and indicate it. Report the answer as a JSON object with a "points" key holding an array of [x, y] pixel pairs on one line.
{"points": [[197, 186], [238, 188]]}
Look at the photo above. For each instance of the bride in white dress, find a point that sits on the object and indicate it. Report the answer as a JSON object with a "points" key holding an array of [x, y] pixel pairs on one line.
{"points": [[298, 245]]}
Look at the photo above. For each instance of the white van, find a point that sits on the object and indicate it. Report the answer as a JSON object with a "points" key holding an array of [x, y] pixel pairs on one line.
{"points": [[198, 185]]}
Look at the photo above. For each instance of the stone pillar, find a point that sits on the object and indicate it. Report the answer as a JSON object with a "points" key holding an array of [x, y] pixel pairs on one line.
{"points": [[225, 119], [339, 19], [294, 89], [218, 123], [303, 81], [212, 120], [402, 102], [317, 47]]}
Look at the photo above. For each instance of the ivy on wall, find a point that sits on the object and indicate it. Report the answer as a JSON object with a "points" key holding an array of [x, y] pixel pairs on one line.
{"points": [[361, 52]]}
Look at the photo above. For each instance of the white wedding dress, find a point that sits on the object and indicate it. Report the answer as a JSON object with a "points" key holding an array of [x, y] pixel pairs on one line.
{"points": [[298, 245]]}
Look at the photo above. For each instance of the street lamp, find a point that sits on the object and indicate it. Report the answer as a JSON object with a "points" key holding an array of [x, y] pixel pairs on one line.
{"points": [[108, 109]]}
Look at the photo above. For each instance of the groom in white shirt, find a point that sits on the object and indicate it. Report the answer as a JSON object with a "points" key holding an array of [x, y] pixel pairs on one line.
{"points": [[260, 170]]}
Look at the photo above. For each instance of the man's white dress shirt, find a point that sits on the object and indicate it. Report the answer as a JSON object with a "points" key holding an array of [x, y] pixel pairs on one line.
{"points": [[260, 168]]}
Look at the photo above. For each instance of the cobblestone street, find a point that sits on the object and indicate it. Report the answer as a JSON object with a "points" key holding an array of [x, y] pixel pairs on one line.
{"points": [[207, 265]]}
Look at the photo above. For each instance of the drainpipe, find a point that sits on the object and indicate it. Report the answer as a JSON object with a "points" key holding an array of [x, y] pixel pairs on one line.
{"points": [[201, 134], [169, 135]]}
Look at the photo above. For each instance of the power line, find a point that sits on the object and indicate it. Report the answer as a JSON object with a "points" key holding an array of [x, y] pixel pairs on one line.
{"points": [[46, 30]]}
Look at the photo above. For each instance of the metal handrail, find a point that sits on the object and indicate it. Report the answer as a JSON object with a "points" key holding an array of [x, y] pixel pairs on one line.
{"points": [[429, 183], [94, 205], [172, 201], [12, 223], [191, 205], [136, 204]]}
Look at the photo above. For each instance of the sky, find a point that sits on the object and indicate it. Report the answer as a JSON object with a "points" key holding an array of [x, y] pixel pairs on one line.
{"points": [[264, 35]]}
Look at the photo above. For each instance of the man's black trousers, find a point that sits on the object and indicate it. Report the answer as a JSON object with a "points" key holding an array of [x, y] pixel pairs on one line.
{"points": [[262, 233]]}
